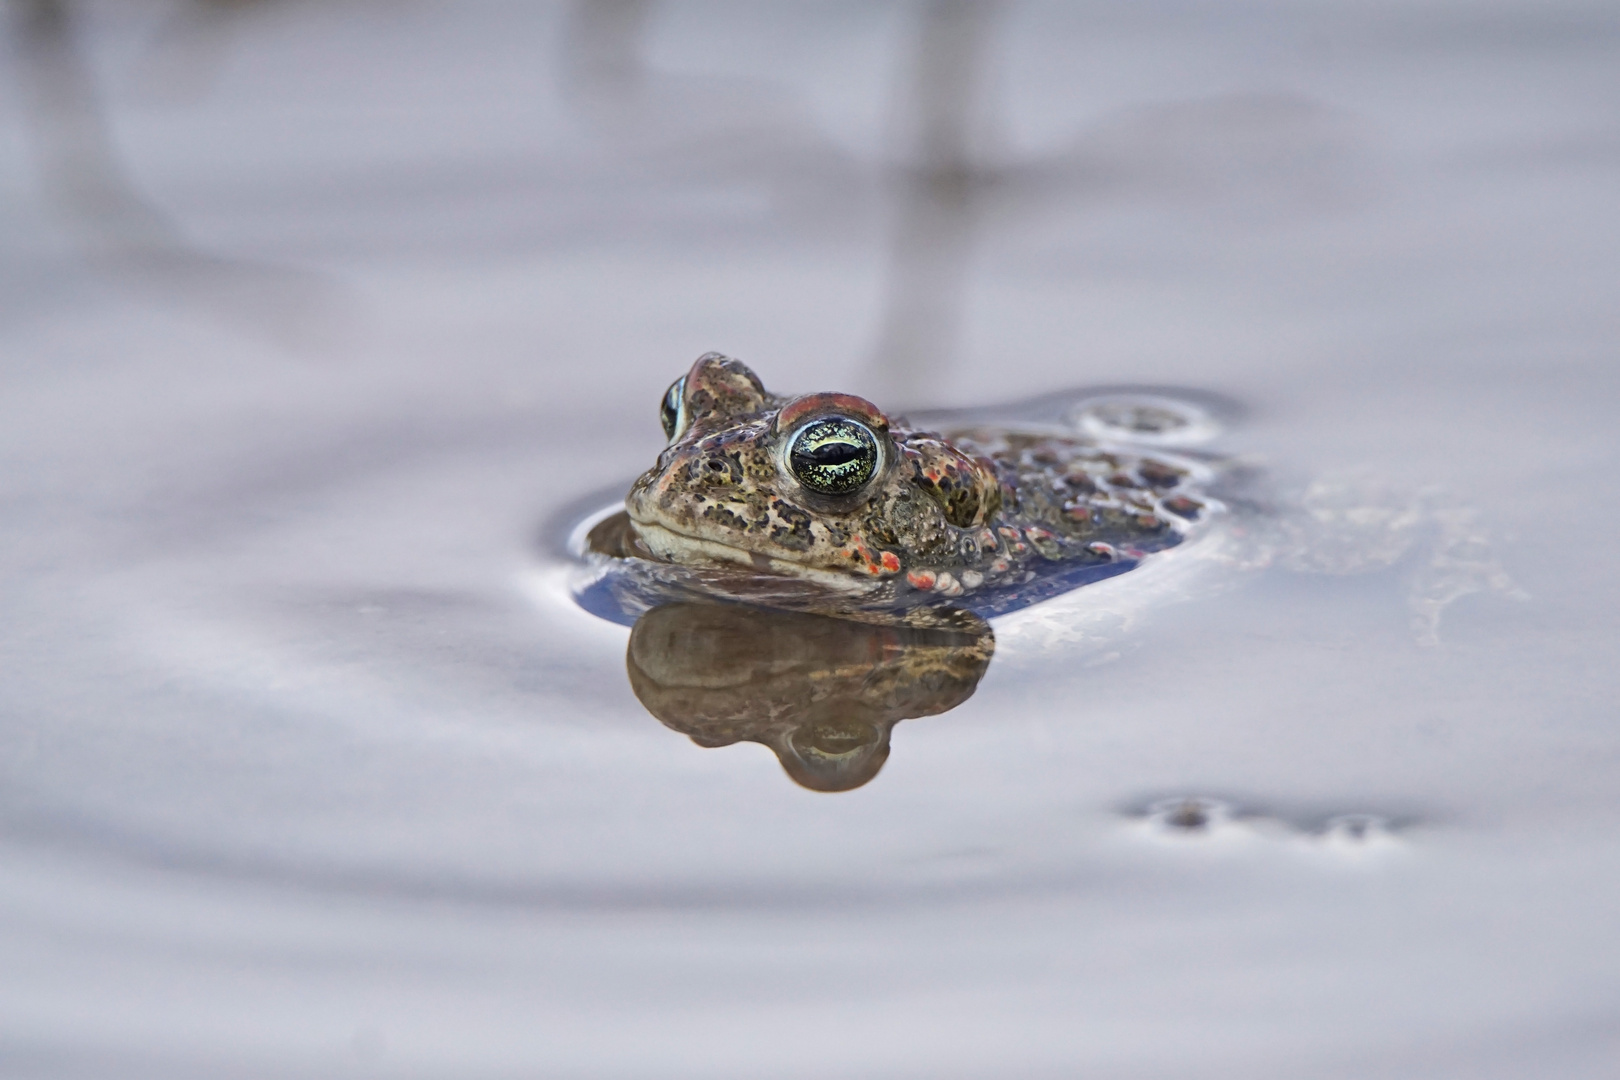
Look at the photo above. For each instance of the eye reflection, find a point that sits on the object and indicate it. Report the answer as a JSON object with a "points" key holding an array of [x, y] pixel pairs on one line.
{"points": [[822, 693]]}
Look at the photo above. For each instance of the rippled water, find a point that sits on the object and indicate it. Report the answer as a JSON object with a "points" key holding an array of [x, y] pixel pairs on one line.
{"points": [[319, 322]]}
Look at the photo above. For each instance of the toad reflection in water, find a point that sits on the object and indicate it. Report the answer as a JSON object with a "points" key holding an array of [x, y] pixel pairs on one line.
{"points": [[823, 693]]}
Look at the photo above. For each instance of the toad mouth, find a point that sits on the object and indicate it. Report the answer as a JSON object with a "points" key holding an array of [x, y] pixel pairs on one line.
{"points": [[683, 548]]}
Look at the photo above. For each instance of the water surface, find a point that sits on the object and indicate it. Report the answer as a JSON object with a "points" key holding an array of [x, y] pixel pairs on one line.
{"points": [[315, 319]]}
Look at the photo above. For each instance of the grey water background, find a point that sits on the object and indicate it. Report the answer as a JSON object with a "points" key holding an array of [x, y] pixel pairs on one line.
{"points": [[314, 316]]}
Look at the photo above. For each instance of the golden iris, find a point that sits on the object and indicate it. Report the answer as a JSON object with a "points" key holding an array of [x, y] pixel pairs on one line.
{"points": [[833, 455]]}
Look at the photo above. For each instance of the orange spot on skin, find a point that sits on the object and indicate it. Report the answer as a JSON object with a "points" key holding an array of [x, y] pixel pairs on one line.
{"points": [[921, 579], [1015, 539], [874, 566]]}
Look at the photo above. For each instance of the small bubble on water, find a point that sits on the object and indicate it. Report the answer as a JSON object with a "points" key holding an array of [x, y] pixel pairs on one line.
{"points": [[1355, 829], [1188, 815], [1138, 417], [1145, 419]]}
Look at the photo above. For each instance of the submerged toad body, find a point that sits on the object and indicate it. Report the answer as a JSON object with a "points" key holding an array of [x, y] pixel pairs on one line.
{"points": [[826, 487]]}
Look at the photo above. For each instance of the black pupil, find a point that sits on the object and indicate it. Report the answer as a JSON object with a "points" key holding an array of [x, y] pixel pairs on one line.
{"points": [[838, 453], [834, 456]]}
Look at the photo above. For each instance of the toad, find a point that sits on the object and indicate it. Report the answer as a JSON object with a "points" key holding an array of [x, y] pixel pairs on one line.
{"points": [[827, 488]]}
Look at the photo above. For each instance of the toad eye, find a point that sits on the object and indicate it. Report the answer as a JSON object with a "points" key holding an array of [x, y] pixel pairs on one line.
{"points": [[833, 455], [672, 410]]}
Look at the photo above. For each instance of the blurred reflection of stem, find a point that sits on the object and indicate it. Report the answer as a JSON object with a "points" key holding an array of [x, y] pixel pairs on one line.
{"points": [[602, 53], [80, 175], [939, 195], [188, 50], [83, 181]]}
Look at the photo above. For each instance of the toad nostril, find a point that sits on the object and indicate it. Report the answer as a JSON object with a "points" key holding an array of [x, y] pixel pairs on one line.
{"points": [[712, 470]]}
